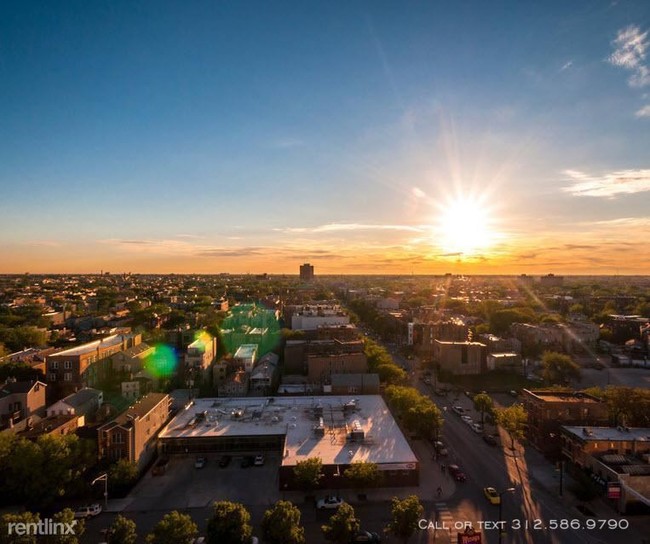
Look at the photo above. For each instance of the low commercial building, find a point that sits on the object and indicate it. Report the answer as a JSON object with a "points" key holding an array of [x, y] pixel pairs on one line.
{"points": [[618, 459], [339, 430], [504, 361], [327, 357]]}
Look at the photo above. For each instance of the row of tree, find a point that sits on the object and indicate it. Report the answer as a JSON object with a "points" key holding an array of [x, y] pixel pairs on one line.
{"points": [[419, 413], [230, 523]]}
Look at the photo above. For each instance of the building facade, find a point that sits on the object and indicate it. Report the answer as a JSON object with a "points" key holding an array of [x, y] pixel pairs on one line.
{"points": [[132, 434]]}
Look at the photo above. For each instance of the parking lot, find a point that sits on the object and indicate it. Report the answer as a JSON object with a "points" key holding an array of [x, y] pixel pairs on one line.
{"points": [[184, 486]]}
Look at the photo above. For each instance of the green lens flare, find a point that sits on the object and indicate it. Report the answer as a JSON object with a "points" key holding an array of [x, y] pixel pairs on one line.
{"points": [[163, 362]]}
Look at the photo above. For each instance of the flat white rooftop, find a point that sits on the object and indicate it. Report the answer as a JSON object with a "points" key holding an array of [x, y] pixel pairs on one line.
{"points": [[296, 417], [246, 351], [614, 434]]}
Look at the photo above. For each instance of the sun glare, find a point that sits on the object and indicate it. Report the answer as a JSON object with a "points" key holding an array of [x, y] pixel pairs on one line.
{"points": [[464, 227]]}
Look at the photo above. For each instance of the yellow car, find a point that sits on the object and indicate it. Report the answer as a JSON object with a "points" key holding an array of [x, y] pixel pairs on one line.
{"points": [[492, 495]]}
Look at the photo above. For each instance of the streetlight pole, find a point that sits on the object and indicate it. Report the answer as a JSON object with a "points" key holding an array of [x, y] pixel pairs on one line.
{"points": [[508, 490], [104, 478]]}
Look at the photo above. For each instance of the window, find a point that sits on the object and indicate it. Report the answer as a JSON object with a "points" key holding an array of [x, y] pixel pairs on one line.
{"points": [[52, 376], [118, 438], [67, 365], [67, 377], [55, 365]]}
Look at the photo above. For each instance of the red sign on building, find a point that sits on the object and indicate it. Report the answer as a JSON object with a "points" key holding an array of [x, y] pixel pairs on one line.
{"points": [[469, 537], [613, 490]]}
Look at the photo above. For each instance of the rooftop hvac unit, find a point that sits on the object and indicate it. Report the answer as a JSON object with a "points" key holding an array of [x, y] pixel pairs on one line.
{"points": [[319, 430]]}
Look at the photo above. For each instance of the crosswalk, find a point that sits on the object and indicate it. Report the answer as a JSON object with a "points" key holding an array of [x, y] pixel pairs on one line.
{"points": [[444, 516]]}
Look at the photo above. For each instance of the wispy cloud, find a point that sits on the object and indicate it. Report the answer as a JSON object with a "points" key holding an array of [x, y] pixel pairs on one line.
{"points": [[630, 47], [608, 185], [644, 111], [287, 143], [566, 65], [342, 227]]}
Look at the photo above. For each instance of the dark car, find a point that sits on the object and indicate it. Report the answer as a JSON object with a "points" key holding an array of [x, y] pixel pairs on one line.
{"points": [[456, 473], [490, 439], [365, 536], [247, 462], [225, 461]]}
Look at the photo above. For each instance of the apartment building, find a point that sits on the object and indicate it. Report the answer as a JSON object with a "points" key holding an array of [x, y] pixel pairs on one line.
{"points": [[85, 365], [462, 358], [132, 434], [548, 410]]}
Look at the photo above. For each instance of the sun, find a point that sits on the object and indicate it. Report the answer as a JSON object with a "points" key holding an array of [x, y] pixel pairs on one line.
{"points": [[464, 227]]}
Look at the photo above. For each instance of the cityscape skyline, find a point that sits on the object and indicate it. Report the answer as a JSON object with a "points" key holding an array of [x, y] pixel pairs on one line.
{"points": [[368, 138]]}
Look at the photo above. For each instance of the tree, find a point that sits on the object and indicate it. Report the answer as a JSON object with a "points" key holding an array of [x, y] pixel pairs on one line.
{"points": [[24, 517], [122, 475], [122, 531], [362, 474], [483, 403], [513, 419], [405, 515], [281, 524], [391, 373], [173, 528], [66, 517], [342, 526], [230, 524], [308, 473], [558, 368]]}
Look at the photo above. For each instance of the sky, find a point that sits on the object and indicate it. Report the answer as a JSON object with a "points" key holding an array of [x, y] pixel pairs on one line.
{"points": [[424, 137]]}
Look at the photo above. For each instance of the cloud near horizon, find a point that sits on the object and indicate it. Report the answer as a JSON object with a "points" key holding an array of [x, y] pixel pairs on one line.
{"points": [[608, 185], [341, 227]]}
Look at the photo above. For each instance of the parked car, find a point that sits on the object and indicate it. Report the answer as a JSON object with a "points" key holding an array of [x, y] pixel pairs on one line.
{"points": [[259, 460], [456, 473], [490, 439], [467, 419], [477, 428], [365, 536], [458, 410], [427, 381], [331, 502], [246, 462], [224, 461], [491, 495], [88, 511], [200, 462], [440, 448]]}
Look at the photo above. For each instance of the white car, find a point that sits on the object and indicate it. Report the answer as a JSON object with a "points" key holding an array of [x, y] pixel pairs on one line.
{"points": [[330, 502], [88, 511], [477, 428], [467, 419], [458, 410]]}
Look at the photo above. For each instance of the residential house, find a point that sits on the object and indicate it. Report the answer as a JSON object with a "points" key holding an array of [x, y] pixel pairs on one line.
{"points": [[21, 403], [83, 404]]}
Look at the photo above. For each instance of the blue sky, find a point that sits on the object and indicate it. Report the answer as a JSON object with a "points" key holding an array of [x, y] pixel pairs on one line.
{"points": [[251, 136]]}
